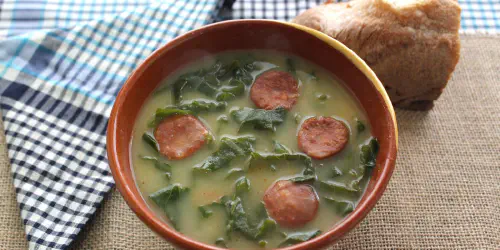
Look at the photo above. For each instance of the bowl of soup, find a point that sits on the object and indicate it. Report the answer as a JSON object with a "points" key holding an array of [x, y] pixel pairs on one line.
{"points": [[252, 134]]}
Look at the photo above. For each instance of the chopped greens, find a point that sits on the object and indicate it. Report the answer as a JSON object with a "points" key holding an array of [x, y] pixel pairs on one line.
{"points": [[262, 243], [306, 160], [298, 237], [165, 167], [225, 96], [209, 138], [241, 71], [265, 226], [238, 219], [199, 106], [149, 138], [304, 178], [242, 185], [207, 88], [338, 186], [342, 207], [229, 149], [166, 199], [336, 172], [163, 113], [353, 172], [369, 153], [280, 148], [186, 81], [234, 89], [322, 97], [259, 118], [222, 119], [205, 211], [355, 183], [360, 126], [213, 82]]}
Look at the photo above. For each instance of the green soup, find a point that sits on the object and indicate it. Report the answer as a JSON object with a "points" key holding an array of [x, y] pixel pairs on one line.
{"points": [[215, 195]]}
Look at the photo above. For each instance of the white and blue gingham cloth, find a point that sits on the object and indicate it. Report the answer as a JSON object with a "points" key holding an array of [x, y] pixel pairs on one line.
{"points": [[62, 62]]}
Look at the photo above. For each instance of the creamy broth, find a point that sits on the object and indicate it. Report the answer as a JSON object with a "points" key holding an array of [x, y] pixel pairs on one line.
{"points": [[321, 94]]}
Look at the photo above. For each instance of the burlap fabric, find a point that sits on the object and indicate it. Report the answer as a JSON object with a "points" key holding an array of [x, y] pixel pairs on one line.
{"points": [[444, 194]]}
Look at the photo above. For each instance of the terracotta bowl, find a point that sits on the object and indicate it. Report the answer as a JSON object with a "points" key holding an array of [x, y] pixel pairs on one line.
{"points": [[240, 35]]}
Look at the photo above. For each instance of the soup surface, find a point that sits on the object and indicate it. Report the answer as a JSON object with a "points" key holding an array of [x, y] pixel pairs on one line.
{"points": [[252, 149]]}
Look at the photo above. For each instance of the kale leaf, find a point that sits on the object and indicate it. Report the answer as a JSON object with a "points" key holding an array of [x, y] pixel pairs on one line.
{"points": [[199, 106], [242, 185], [338, 186], [336, 171], [303, 178], [241, 71], [360, 126], [265, 226], [234, 89], [205, 211], [187, 81], [238, 219], [209, 81], [229, 149], [149, 138], [342, 207], [163, 113], [369, 153], [166, 199], [280, 148], [207, 88], [306, 160], [165, 167], [298, 237], [260, 118], [322, 97], [262, 243]]}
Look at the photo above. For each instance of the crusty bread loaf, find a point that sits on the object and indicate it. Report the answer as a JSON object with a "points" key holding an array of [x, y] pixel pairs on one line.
{"points": [[412, 45]]}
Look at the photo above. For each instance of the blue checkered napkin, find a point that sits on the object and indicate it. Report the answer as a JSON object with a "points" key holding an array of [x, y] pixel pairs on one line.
{"points": [[22, 16], [478, 16], [284, 10], [56, 92], [17, 17]]}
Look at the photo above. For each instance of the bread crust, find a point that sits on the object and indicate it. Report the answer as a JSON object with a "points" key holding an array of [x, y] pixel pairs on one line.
{"points": [[413, 46]]}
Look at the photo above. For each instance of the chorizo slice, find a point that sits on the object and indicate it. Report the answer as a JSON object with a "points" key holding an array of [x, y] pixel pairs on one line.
{"points": [[291, 204], [273, 89], [180, 136], [322, 137]]}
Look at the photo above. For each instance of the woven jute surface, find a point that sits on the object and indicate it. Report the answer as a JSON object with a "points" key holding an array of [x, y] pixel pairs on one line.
{"points": [[444, 193]]}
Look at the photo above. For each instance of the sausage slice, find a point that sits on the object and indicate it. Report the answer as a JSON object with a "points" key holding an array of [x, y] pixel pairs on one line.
{"points": [[273, 89], [291, 204], [179, 136], [322, 137]]}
